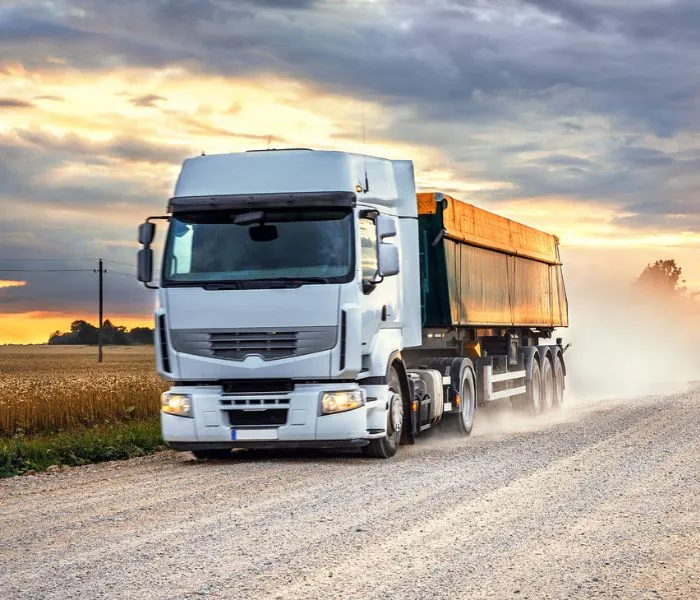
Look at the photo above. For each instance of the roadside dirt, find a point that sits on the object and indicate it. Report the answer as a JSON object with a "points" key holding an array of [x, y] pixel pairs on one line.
{"points": [[601, 500]]}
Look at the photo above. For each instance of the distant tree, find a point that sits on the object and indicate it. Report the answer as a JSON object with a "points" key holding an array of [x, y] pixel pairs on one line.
{"points": [[663, 276], [114, 335], [141, 335], [84, 333], [81, 332]]}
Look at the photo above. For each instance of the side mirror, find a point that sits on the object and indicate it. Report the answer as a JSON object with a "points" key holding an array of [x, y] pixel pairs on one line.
{"points": [[144, 268], [386, 227], [147, 232], [388, 260]]}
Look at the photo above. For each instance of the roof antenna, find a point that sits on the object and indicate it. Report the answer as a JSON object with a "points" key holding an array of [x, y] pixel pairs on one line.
{"points": [[363, 149], [269, 139]]}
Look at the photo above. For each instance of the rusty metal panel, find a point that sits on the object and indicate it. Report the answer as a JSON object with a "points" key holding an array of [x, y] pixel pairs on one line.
{"points": [[491, 288], [454, 279], [554, 300], [563, 301], [484, 286], [530, 292], [478, 277]]}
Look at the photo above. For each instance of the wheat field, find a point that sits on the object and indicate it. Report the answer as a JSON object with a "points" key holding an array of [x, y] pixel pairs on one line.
{"points": [[56, 388]]}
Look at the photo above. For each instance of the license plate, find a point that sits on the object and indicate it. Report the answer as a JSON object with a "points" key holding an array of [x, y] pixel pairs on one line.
{"points": [[253, 435]]}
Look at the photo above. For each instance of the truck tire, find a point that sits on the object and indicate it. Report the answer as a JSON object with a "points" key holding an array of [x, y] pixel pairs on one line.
{"points": [[558, 382], [468, 405], [215, 453], [386, 447], [547, 393], [531, 401]]}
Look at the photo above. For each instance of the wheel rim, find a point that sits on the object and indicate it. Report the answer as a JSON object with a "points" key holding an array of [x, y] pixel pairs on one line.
{"points": [[396, 412], [547, 388], [536, 393]]}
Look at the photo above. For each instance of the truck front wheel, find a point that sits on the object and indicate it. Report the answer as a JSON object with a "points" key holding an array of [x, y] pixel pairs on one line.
{"points": [[468, 403], [386, 447]]}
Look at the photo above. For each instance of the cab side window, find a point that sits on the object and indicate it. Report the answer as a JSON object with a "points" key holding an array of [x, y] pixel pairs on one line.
{"points": [[368, 239]]}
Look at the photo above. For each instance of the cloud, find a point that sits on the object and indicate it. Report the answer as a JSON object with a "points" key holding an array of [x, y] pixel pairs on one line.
{"points": [[14, 103], [149, 100], [49, 217]]}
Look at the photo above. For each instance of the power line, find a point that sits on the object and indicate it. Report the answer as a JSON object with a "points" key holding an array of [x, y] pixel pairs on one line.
{"points": [[46, 259], [118, 262], [129, 275], [46, 270]]}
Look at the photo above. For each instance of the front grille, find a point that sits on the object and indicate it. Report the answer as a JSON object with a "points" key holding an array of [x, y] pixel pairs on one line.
{"points": [[268, 344], [252, 418], [254, 402]]}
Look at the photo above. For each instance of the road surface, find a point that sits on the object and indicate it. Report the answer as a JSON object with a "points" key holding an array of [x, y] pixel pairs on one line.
{"points": [[600, 500]]}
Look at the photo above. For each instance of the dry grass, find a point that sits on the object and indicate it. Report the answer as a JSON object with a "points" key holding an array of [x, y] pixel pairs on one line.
{"points": [[46, 388]]}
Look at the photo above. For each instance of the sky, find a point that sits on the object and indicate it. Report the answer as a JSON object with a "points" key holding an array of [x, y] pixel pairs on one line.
{"points": [[579, 117]]}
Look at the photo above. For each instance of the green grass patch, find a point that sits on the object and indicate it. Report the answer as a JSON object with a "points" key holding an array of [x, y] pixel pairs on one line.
{"points": [[20, 453]]}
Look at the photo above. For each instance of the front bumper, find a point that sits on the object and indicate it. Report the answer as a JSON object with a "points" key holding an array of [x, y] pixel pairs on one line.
{"points": [[266, 420], [284, 445]]}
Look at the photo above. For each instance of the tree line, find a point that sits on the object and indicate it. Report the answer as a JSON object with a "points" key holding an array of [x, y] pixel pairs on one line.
{"points": [[84, 333]]}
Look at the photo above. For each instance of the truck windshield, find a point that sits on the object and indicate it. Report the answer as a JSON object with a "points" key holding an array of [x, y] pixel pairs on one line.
{"points": [[304, 246]]}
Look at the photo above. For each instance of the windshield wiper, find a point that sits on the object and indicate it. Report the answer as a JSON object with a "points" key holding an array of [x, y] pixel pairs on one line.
{"points": [[293, 281], [222, 285], [246, 284]]}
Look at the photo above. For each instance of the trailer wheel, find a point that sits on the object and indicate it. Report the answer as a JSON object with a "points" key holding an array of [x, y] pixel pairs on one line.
{"points": [[531, 401], [468, 404], [547, 393], [386, 447], [214, 453], [558, 382]]}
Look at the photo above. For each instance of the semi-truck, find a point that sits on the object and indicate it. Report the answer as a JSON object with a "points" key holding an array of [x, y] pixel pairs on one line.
{"points": [[311, 298]]}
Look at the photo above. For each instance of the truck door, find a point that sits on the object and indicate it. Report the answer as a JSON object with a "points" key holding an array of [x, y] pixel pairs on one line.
{"points": [[376, 295]]}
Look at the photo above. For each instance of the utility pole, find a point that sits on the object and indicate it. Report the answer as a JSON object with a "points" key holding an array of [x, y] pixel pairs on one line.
{"points": [[100, 271]]}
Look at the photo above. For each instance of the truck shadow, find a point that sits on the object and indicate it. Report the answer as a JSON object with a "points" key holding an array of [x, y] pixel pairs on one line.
{"points": [[298, 455]]}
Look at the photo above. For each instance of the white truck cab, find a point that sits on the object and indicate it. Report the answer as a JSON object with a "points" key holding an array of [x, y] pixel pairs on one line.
{"points": [[283, 295]]}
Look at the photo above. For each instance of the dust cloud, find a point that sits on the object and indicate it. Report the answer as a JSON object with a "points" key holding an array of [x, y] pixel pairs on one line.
{"points": [[627, 343]]}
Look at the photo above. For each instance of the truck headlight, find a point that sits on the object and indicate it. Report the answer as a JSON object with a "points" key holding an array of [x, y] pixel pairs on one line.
{"points": [[176, 404], [335, 402]]}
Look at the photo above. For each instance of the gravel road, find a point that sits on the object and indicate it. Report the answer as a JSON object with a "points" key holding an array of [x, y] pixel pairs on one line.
{"points": [[600, 500]]}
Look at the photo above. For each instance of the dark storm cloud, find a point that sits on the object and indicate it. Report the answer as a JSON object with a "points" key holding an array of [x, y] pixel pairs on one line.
{"points": [[30, 198]]}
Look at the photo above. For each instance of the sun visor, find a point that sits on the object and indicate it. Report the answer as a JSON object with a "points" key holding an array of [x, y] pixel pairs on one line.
{"points": [[243, 201]]}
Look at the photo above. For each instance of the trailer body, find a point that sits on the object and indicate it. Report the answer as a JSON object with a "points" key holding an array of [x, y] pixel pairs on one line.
{"points": [[481, 269]]}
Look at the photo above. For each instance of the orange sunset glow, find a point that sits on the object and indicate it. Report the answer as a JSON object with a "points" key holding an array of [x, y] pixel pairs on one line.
{"points": [[35, 328], [92, 133]]}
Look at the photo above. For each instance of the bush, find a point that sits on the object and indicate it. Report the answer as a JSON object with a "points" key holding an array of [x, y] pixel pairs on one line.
{"points": [[20, 453]]}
